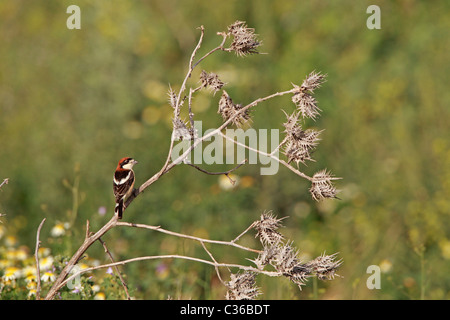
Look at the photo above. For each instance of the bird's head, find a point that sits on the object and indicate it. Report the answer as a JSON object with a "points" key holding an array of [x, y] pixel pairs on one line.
{"points": [[127, 163]]}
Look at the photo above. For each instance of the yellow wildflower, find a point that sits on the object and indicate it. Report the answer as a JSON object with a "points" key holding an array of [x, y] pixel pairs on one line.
{"points": [[48, 276], [58, 230], [100, 296], [11, 273]]}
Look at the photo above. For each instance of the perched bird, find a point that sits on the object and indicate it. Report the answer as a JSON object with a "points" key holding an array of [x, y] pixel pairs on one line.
{"points": [[123, 185]]}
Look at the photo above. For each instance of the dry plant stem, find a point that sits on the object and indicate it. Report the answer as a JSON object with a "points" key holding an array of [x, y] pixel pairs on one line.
{"points": [[179, 99], [214, 260], [169, 165], [5, 181], [270, 155], [88, 241], [174, 256], [36, 255], [244, 232], [181, 235], [192, 65], [226, 173], [91, 238], [279, 146], [122, 280]]}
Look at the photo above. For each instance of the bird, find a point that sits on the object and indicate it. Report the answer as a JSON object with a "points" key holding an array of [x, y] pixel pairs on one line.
{"points": [[123, 183]]}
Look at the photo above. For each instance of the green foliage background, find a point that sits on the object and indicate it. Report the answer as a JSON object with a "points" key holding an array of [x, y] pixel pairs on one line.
{"points": [[72, 102]]}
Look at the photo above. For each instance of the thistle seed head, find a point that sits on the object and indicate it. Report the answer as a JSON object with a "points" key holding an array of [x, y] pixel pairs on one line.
{"points": [[266, 229], [181, 131], [313, 81], [306, 104], [212, 80], [266, 256], [228, 109], [324, 266], [303, 99], [172, 97], [300, 143], [244, 39], [242, 286], [287, 262], [322, 186]]}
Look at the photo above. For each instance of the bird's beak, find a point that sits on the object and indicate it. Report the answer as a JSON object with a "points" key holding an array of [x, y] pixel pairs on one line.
{"points": [[135, 162]]}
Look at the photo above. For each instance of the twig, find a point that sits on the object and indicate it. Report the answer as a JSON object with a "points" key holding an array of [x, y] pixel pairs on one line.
{"points": [[244, 232], [88, 233], [220, 47], [181, 235], [174, 256], [88, 241], [226, 173], [192, 65], [253, 104], [179, 99], [125, 287], [270, 155], [36, 255], [5, 181], [279, 146], [214, 260]]}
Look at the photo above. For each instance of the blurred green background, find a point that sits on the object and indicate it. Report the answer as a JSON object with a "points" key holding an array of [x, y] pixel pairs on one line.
{"points": [[73, 102]]}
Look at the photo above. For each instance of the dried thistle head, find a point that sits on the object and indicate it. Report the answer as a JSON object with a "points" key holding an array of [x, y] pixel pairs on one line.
{"points": [[322, 186], [212, 80], [244, 39], [180, 130], [295, 152], [313, 81], [300, 143], [291, 122], [228, 109], [267, 228], [265, 257], [303, 99], [172, 97], [286, 258], [325, 266], [306, 104], [242, 286], [287, 262]]}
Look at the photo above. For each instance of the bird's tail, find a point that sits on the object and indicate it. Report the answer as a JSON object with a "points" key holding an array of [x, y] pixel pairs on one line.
{"points": [[119, 209]]}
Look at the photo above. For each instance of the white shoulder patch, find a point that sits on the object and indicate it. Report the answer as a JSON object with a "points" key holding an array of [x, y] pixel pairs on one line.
{"points": [[123, 180]]}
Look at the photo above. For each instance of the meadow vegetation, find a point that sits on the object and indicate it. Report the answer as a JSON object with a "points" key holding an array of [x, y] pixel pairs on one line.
{"points": [[73, 102]]}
